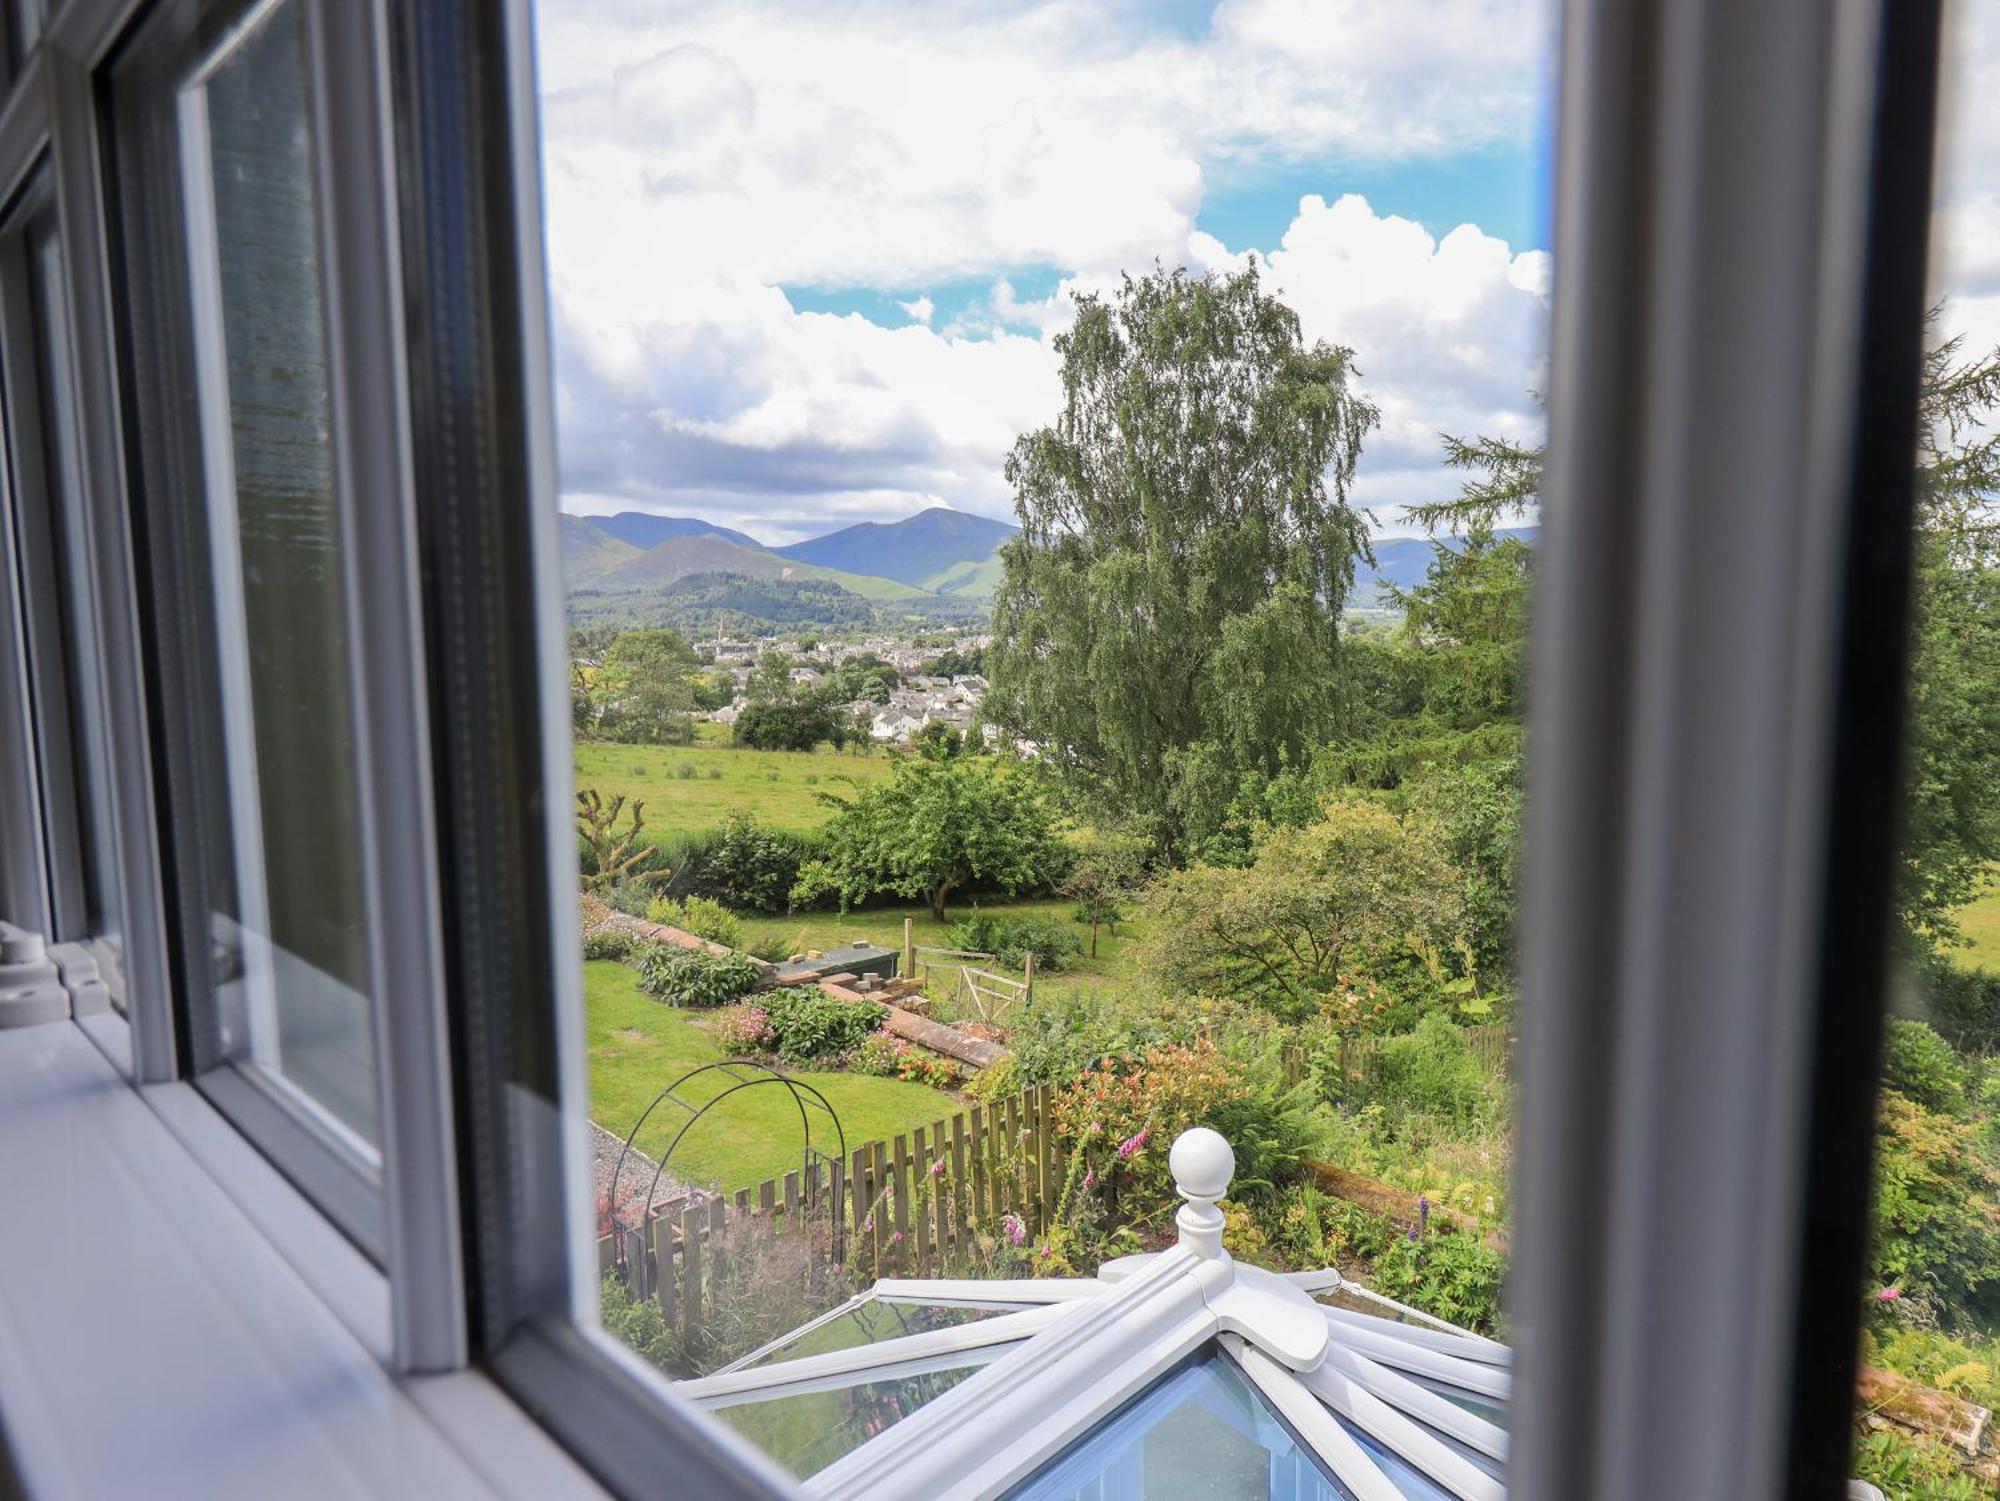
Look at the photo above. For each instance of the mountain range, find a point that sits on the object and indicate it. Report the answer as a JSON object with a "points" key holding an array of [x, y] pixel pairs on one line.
{"points": [[936, 559], [935, 553]]}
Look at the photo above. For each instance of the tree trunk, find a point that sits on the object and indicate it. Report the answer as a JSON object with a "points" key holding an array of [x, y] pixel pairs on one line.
{"points": [[938, 894], [1093, 938]]}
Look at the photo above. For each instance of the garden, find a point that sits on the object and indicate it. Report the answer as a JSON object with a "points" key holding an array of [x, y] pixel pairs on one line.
{"points": [[1269, 883]]}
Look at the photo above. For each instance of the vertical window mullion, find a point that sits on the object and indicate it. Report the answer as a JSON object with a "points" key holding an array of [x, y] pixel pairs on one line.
{"points": [[387, 681]]}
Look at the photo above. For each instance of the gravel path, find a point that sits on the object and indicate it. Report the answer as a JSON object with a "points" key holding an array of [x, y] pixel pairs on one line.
{"points": [[604, 1149]]}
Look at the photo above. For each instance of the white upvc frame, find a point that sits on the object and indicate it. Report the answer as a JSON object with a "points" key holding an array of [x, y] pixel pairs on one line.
{"points": [[1095, 1345]]}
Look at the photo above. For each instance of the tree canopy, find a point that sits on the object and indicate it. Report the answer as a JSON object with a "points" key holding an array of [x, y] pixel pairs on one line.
{"points": [[1310, 914], [1168, 618], [942, 823]]}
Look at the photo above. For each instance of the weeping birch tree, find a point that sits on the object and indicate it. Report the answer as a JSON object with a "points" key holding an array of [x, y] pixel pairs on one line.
{"points": [[1168, 619]]}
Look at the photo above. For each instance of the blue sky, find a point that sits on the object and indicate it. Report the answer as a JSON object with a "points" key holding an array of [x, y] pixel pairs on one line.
{"points": [[808, 261]]}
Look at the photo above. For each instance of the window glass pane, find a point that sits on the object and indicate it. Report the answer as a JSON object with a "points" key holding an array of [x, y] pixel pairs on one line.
{"points": [[1931, 1300], [1202, 1432], [300, 998], [243, 524], [1043, 594], [97, 852], [806, 1433], [870, 1323]]}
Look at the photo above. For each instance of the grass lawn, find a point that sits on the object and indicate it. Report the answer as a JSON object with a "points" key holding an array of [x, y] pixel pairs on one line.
{"points": [[639, 1046], [1980, 918], [1116, 961], [778, 786]]}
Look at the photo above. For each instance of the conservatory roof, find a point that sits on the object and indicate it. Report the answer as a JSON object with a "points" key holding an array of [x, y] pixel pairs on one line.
{"points": [[1179, 1373]]}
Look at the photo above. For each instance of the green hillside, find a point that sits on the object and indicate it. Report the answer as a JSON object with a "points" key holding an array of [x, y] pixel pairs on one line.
{"points": [[588, 551], [682, 557], [973, 580]]}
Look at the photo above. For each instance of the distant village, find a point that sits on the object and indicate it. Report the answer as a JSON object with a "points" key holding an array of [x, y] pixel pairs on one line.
{"points": [[922, 699]]}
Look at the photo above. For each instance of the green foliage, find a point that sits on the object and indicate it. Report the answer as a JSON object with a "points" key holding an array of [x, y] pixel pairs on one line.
{"points": [[1010, 939], [795, 725], [1431, 1072], [701, 917], [639, 1325], [1452, 1277], [1913, 1467], [1965, 1367], [1921, 1064], [693, 977], [891, 1058], [939, 825], [644, 691], [1320, 905], [743, 1029], [1952, 833], [1937, 1210], [1060, 1033], [807, 1023], [608, 943], [1168, 617], [743, 864], [1104, 873], [1121, 1116]]}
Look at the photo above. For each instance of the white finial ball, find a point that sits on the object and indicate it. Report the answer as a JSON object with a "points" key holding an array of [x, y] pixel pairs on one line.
{"points": [[1202, 1163]]}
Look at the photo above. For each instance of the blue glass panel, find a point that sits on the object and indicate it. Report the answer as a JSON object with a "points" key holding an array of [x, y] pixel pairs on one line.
{"points": [[1200, 1433]]}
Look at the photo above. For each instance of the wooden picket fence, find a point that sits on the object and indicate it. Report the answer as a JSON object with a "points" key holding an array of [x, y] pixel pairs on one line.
{"points": [[908, 1206]]}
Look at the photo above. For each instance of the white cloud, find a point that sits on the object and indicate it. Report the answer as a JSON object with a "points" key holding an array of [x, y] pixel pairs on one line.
{"points": [[700, 156]]}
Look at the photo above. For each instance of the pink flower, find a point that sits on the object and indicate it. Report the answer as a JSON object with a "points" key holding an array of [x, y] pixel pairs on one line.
{"points": [[868, 1224], [937, 1168], [1090, 1180], [1889, 1295], [896, 1239], [1131, 1145], [1017, 1230], [1047, 1250]]}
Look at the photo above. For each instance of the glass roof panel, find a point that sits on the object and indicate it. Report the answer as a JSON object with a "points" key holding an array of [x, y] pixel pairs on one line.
{"points": [[807, 1432], [1200, 1433], [868, 1323], [1489, 1408], [1406, 1477]]}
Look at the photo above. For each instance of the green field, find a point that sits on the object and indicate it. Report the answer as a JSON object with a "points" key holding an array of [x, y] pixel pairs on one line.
{"points": [[637, 1047], [778, 786], [1980, 920]]}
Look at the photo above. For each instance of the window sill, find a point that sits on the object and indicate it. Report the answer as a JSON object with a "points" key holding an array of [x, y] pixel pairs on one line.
{"points": [[176, 1321]]}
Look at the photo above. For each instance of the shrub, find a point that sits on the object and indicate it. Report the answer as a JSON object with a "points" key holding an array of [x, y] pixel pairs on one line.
{"points": [[602, 938], [1122, 1117], [807, 1023], [687, 771], [1923, 1066], [701, 917], [1937, 1210], [1010, 939], [742, 864], [694, 977], [1913, 1467], [1452, 1277], [1057, 1035], [608, 943], [638, 769], [1432, 1072], [891, 1058], [639, 1324], [714, 773], [633, 898], [744, 1029]]}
